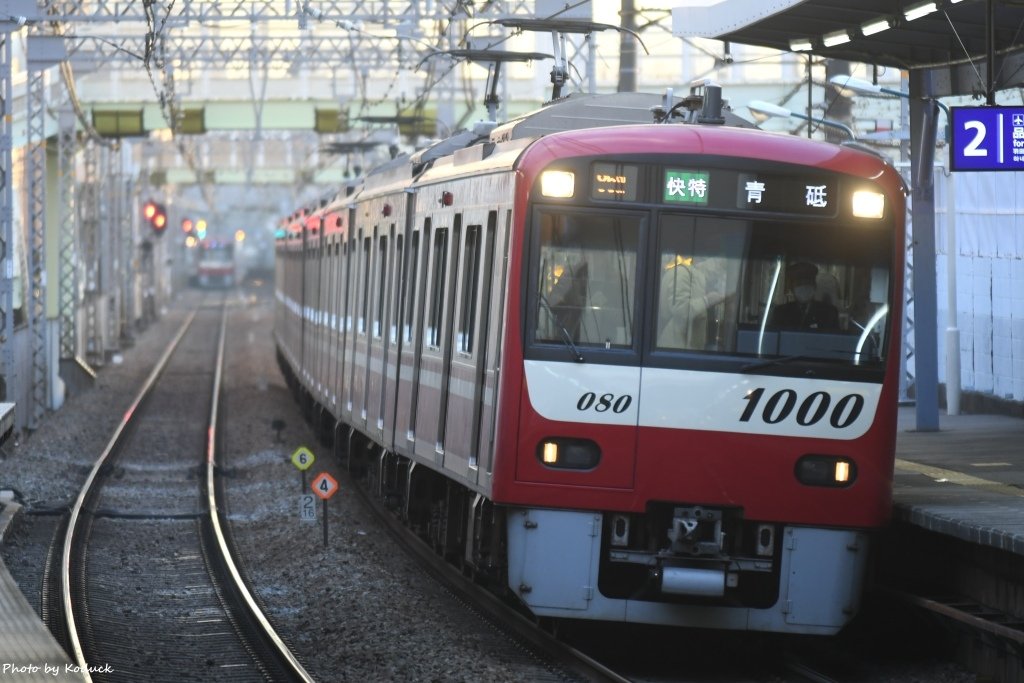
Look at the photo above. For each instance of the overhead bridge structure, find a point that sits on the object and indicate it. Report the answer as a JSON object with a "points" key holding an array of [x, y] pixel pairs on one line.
{"points": [[228, 110]]}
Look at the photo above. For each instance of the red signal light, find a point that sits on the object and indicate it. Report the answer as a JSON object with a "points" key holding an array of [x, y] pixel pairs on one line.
{"points": [[156, 214], [187, 225]]}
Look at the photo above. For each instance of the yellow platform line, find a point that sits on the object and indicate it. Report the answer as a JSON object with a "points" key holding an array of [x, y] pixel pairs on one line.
{"points": [[953, 477]]}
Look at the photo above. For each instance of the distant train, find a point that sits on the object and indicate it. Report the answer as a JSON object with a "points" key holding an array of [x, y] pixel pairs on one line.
{"points": [[215, 264], [630, 371]]}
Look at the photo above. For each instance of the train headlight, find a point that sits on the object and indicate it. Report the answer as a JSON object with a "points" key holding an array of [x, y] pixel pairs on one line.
{"points": [[569, 454], [826, 470], [557, 184], [867, 204]]}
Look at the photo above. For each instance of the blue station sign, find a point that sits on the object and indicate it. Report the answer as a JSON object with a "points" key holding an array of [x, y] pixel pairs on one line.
{"points": [[987, 139]]}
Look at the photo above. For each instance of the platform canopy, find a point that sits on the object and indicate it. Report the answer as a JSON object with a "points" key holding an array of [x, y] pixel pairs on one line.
{"points": [[950, 37]]}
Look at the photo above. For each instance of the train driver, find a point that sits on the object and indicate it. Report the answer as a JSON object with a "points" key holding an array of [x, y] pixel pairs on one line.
{"points": [[804, 312]]}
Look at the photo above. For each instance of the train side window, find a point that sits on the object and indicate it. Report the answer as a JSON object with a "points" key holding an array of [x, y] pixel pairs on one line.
{"points": [[346, 282], [439, 267], [410, 287], [396, 304], [470, 290], [382, 279], [338, 265], [365, 270]]}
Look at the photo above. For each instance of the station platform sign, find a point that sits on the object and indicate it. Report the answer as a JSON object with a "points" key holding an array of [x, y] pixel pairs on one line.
{"points": [[986, 139]]}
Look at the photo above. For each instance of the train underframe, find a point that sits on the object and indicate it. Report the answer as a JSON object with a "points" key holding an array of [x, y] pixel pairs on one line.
{"points": [[675, 564]]}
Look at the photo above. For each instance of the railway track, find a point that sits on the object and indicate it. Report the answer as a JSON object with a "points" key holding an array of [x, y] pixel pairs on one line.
{"points": [[148, 587]]}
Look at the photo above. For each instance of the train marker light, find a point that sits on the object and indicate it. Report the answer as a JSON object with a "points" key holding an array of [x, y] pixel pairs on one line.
{"points": [[829, 471], [867, 204], [558, 184], [568, 453]]}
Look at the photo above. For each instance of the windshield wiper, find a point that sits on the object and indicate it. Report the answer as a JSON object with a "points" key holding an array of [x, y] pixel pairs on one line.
{"points": [[566, 337], [779, 360]]}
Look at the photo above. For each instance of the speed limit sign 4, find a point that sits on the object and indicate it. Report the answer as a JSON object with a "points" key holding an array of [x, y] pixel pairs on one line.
{"points": [[324, 485]]}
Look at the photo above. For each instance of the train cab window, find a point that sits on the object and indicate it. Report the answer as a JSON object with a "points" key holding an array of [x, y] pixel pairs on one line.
{"points": [[586, 279], [816, 293], [699, 265]]}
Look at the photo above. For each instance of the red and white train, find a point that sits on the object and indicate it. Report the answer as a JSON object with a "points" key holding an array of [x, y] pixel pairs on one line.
{"points": [[216, 264], [633, 371]]}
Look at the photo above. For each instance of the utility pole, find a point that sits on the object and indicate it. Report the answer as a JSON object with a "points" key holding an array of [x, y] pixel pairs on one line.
{"points": [[627, 47]]}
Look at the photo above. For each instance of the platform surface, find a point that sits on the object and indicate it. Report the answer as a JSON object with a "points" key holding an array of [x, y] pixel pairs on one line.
{"points": [[28, 651], [965, 480]]}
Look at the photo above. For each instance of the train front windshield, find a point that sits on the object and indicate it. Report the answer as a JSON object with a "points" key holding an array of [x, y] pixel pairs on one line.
{"points": [[217, 255], [691, 289]]}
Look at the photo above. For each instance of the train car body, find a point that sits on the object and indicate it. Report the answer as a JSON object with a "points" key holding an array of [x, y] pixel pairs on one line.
{"points": [[574, 356], [215, 264]]}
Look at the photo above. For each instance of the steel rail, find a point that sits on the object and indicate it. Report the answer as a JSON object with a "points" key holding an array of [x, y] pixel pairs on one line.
{"points": [[976, 621], [242, 590], [83, 495], [268, 634]]}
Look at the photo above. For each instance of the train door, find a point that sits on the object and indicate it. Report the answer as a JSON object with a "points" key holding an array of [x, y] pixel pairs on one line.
{"points": [[410, 331], [436, 350], [378, 338], [491, 334], [364, 329], [303, 302], [582, 366], [345, 331], [318, 315], [339, 320], [393, 340], [467, 357], [332, 322], [358, 257]]}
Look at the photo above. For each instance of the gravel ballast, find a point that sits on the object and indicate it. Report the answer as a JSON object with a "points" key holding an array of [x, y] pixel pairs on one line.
{"points": [[356, 609]]}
